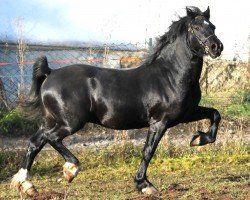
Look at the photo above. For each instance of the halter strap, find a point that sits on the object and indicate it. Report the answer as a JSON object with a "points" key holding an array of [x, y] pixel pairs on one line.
{"points": [[202, 43]]}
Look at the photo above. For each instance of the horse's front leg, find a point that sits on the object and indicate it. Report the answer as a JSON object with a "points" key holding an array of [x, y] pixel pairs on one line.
{"points": [[155, 133], [201, 138]]}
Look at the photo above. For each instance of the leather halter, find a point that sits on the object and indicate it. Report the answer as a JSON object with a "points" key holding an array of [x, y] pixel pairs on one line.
{"points": [[201, 42]]}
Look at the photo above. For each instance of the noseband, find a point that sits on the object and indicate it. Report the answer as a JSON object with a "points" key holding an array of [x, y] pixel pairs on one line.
{"points": [[201, 42]]}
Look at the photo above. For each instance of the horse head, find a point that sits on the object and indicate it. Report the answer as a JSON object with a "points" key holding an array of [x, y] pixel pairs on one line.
{"points": [[202, 38]]}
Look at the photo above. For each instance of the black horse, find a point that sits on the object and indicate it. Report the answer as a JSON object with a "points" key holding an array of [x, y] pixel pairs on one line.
{"points": [[162, 92]]}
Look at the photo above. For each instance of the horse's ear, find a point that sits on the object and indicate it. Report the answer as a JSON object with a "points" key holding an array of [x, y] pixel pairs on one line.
{"points": [[190, 12], [207, 13]]}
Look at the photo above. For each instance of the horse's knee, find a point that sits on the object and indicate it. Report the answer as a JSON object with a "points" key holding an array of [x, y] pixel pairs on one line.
{"points": [[70, 171], [37, 141], [35, 145]]}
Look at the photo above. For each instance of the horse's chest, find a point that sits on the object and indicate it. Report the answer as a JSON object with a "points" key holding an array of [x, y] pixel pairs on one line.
{"points": [[183, 103], [189, 102]]}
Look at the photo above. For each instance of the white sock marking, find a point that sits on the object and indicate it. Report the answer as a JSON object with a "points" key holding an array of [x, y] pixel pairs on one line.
{"points": [[21, 175]]}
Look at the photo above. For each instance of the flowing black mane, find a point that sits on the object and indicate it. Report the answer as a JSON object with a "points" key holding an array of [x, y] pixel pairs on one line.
{"points": [[176, 29]]}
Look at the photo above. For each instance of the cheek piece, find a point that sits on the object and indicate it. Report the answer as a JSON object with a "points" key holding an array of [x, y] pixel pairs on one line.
{"points": [[201, 42]]}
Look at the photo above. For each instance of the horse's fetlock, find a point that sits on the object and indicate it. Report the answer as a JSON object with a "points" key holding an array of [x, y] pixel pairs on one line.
{"points": [[217, 115]]}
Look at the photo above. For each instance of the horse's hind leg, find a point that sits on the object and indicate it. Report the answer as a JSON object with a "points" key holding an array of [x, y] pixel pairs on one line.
{"points": [[71, 166], [19, 180]]}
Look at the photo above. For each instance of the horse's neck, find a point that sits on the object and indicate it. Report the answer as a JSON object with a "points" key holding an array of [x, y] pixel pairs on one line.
{"points": [[181, 62]]}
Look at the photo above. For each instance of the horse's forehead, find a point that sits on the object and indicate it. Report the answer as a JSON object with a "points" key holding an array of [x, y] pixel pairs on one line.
{"points": [[200, 19], [208, 23]]}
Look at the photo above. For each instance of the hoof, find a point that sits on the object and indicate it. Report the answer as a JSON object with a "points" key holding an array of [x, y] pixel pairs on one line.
{"points": [[19, 182], [70, 171], [15, 184], [28, 189], [150, 190], [196, 140], [200, 139]]}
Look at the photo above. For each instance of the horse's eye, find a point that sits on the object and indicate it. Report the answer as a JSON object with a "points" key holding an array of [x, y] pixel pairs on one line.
{"points": [[197, 28]]}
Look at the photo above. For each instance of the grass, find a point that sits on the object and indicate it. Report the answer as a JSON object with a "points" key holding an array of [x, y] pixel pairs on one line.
{"points": [[232, 106], [211, 172]]}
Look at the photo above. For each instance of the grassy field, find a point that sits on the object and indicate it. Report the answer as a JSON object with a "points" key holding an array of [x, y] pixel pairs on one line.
{"points": [[218, 171]]}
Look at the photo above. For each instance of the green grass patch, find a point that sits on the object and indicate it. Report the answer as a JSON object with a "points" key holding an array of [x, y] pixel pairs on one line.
{"points": [[233, 107], [211, 172], [235, 111]]}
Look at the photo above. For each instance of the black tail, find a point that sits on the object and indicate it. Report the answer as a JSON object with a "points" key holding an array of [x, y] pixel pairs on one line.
{"points": [[40, 71]]}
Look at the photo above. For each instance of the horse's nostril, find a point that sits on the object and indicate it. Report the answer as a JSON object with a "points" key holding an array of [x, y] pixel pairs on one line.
{"points": [[214, 47]]}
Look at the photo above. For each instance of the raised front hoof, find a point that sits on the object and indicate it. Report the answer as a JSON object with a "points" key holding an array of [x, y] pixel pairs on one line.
{"points": [[151, 190], [200, 139], [70, 171], [195, 141]]}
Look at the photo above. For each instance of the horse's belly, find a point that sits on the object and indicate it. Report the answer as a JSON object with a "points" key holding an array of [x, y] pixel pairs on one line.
{"points": [[121, 117]]}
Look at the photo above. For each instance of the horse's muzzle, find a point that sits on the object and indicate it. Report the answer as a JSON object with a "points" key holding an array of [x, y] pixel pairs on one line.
{"points": [[215, 48]]}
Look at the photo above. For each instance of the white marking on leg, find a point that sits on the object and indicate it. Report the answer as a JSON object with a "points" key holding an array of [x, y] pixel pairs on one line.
{"points": [[28, 189], [20, 176], [20, 182], [72, 168], [150, 190]]}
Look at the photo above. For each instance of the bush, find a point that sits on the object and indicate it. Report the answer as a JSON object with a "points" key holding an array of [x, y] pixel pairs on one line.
{"points": [[14, 123]]}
